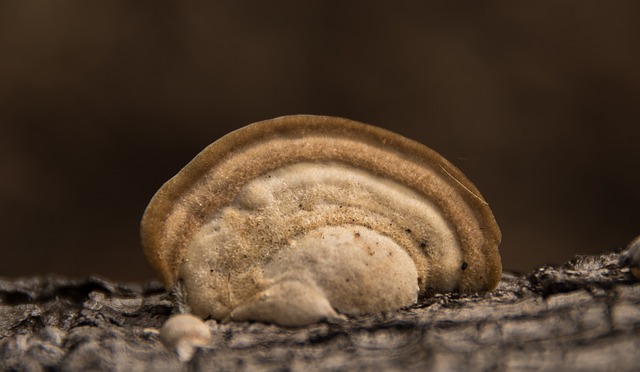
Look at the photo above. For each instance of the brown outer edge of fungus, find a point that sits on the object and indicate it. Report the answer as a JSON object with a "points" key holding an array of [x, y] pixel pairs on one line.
{"points": [[161, 204]]}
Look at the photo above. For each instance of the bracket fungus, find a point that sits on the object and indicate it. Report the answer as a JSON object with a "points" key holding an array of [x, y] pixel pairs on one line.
{"points": [[300, 218]]}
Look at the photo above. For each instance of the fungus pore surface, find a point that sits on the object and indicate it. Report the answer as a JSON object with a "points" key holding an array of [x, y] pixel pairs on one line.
{"points": [[299, 218]]}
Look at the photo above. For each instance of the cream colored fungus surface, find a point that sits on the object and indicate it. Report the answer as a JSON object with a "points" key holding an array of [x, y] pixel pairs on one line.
{"points": [[308, 238]]}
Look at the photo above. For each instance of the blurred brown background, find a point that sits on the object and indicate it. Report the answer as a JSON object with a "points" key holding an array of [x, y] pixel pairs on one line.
{"points": [[103, 101]]}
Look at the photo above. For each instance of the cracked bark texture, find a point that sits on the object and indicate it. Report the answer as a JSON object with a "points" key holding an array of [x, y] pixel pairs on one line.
{"points": [[584, 315]]}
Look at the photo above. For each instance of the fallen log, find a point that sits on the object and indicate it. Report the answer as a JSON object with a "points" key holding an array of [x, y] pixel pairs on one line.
{"points": [[583, 315]]}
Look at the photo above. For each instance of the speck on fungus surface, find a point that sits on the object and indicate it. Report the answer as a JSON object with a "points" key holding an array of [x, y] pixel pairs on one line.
{"points": [[299, 218]]}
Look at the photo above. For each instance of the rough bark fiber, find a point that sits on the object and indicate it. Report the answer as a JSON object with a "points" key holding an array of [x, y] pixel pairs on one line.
{"points": [[584, 315]]}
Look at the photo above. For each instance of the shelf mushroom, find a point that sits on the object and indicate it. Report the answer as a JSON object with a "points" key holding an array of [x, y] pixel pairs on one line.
{"points": [[301, 218]]}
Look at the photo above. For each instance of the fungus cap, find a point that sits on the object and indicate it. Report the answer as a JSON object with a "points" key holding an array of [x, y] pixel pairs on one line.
{"points": [[319, 201]]}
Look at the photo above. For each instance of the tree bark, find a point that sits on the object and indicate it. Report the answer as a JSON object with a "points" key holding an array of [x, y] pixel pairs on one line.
{"points": [[584, 315]]}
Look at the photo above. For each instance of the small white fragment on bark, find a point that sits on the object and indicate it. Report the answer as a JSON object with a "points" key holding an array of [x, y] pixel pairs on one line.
{"points": [[183, 334]]}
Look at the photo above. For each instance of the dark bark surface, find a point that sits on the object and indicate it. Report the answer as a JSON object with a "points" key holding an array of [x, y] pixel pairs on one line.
{"points": [[584, 315]]}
